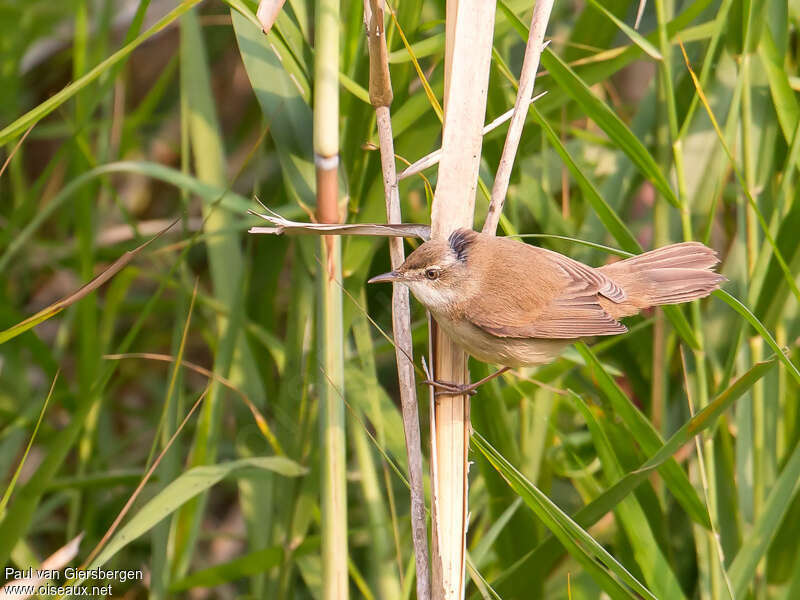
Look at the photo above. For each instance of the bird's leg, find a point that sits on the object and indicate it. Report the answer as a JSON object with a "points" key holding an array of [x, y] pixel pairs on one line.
{"points": [[448, 388]]}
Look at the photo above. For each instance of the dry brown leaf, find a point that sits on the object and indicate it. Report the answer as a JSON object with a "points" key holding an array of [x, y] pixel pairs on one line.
{"points": [[281, 225]]}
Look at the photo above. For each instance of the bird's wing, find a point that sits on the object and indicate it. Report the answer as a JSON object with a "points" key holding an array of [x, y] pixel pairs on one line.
{"points": [[585, 278], [567, 308]]}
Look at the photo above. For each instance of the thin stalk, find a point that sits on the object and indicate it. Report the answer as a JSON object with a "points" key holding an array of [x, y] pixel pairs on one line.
{"points": [[382, 578], [756, 347], [385, 556], [661, 237], [380, 89], [433, 158], [530, 64], [664, 10], [330, 349], [85, 219]]}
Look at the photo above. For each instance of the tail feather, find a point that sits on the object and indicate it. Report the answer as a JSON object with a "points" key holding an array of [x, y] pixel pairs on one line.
{"points": [[669, 275], [685, 254]]}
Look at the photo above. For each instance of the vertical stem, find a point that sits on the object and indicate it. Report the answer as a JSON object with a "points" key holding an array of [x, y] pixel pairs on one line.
{"points": [[756, 348], [664, 10], [84, 224], [330, 348], [380, 90], [565, 212], [661, 237], [468, 48], [530, 64], [382, 579]]}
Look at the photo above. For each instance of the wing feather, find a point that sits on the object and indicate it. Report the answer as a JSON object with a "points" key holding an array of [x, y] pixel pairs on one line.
{"points": [[569, 309]]}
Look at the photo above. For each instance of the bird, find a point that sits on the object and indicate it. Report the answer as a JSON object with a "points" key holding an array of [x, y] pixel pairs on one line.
{"points": [[510, 303]]}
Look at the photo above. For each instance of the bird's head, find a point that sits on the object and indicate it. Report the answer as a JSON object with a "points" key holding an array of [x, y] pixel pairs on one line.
{"points": [[436, 272]]}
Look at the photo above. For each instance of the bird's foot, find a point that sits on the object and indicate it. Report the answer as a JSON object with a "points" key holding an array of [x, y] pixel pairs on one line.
{"points": [[449, 388]]}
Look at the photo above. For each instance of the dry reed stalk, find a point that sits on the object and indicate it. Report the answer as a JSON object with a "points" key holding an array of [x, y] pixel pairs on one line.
{"points": [[380, 93], [469, 28], [433, 158], [530, 64]]}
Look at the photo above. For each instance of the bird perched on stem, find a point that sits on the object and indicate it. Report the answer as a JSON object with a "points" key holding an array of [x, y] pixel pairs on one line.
{"points": [[512, 304]]}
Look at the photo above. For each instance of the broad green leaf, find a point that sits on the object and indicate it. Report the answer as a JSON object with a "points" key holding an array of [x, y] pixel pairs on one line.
{"points": [[252, 563], [285, 110], [191, 483]]}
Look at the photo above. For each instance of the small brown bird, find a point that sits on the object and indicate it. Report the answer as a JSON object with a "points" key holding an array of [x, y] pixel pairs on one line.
{"points": [[513, 304]]}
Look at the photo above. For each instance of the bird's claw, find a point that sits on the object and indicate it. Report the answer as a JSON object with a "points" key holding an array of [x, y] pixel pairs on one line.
{"points": [[448, 388]]}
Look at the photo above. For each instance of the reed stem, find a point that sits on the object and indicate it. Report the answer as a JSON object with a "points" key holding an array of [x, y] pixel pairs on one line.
{"points": [[380, 89], [719, 580], [530, 64], [468, 49], [330, 350]]}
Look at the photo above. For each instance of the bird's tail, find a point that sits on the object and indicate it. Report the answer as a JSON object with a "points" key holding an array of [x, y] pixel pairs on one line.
{"points": [[669, 275]]}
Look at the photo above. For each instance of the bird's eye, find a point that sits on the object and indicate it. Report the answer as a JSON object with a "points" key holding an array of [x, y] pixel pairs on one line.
{"points": [[432, 274]]}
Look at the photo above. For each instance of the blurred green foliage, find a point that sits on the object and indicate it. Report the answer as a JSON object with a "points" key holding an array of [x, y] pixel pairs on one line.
{"points": [[196, 118]]}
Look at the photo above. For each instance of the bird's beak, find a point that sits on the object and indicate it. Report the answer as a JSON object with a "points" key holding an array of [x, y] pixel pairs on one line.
{"points": [[386, 277]]}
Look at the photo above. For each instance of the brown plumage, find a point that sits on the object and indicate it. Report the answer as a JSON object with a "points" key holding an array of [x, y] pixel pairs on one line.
{"points": [[510, 303]]}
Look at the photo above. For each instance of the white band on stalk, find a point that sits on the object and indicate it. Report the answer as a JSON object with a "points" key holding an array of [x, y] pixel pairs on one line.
{"points": [[326, 163]]}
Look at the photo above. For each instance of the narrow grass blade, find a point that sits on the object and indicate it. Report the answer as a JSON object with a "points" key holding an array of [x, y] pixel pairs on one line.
{"points": [[210, 194], [634, 35], [434, 102], [600, 113], [82, 292], [789, 277], [648, 438], [783, 96], [740, 308], [13, 482], [259, 419], [755, 545], [242, 566], [546, 554], [583, 547], [647, 552], [612, 222], [56, 100]]}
